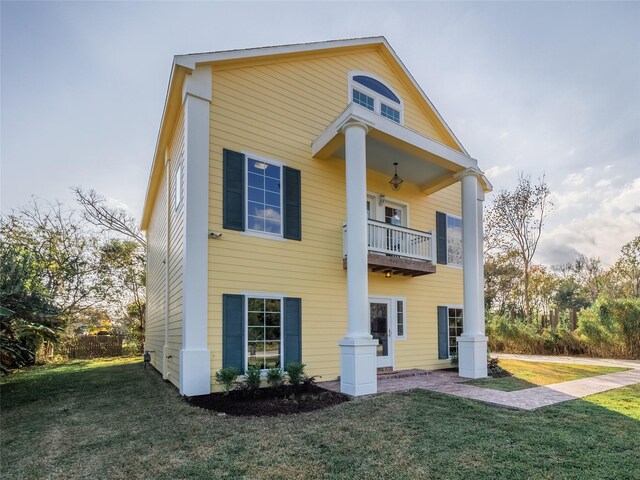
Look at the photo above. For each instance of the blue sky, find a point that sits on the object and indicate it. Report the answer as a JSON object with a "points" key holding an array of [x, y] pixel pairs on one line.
{"points": [[541, 88]]}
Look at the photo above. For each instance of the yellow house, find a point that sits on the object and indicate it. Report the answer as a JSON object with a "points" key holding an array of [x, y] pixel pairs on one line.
{"points": [[308, 203]]}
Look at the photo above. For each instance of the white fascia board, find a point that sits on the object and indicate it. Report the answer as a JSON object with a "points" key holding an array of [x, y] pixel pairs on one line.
{"points": [[177, 76], [384, 125], [191, 60]]}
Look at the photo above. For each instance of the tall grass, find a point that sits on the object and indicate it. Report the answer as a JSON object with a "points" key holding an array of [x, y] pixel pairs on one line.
{"points": [[609, 328]]}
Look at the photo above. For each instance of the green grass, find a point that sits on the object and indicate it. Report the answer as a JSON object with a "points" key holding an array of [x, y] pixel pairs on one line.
{"points": [[112, 419], [535, 374]]}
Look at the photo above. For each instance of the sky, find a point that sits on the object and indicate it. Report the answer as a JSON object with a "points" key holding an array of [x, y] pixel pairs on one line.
{"points": [[542, 88]]}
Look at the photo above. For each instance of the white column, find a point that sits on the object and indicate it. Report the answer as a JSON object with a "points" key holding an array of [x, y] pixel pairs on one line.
{"points": [[481, 256], [195, 359], [472, 344], [358, 374]]}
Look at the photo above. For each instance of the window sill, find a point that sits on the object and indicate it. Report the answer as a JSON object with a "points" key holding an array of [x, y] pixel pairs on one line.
{"points": [[268, 236]]}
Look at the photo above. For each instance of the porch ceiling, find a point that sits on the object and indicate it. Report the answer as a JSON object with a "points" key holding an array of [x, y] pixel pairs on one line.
{"points": [[421, 160]]}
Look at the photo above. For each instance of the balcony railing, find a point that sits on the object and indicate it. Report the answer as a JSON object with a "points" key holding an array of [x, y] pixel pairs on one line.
{"points": [[392, 240]]}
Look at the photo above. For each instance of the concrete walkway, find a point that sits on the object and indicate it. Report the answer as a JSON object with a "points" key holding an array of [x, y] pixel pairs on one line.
{"points": [[604, 362], [528, 399]]}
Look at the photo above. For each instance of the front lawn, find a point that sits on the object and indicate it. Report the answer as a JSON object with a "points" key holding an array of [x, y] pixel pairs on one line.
{"points": [[535, 374], [112, 419]]}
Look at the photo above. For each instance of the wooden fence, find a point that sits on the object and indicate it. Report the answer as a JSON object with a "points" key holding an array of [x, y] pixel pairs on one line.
{"points": [[92, 346]]}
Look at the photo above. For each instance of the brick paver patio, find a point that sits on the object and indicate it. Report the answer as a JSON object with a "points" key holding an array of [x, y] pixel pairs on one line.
{"points": [[528, 399]]}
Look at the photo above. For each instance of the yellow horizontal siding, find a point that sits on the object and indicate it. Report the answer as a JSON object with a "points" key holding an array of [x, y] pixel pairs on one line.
{"points": [[156, 292], [278, 110]]}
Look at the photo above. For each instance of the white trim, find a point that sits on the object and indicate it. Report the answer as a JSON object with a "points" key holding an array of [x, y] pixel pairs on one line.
{"points": [[275, 163], [190, 61], [434, 149], [183, 64], [378, 98], [269, 296], [195, 358]]}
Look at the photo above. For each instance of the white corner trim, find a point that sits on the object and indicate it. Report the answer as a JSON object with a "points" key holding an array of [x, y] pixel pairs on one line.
{"points": [[195, 359], [198, 84]]}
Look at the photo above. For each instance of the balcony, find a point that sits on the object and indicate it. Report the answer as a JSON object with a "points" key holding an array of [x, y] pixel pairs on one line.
{"points": [[396, 250]]}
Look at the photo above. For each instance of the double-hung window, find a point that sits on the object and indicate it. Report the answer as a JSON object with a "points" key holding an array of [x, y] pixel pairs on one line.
{"points": [[454, 240], [261, 196], [449, 239], [264, 196], [264, 327]]}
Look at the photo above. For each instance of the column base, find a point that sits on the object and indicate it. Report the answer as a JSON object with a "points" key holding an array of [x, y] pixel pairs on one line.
{"points": [[472, 356], [358, 373], [195, 372], [165, 362]]}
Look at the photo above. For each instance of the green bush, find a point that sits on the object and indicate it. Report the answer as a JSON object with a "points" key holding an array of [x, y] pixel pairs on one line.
{"points": [[275, 377], [295, 371], [227, 378], [609, 328], [252, 378]]}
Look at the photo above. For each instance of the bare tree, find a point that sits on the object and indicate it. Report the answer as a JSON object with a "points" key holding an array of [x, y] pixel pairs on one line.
{"points": [[98, 213], [514, 222]]}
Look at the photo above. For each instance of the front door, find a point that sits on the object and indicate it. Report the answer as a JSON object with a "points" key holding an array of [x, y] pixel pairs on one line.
{"points": [[382, 331]]}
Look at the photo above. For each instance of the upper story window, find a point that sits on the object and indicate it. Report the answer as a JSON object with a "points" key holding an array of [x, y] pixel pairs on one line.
{"points": [[178, 186], [264, 198], [371, 93], [454, 240]]}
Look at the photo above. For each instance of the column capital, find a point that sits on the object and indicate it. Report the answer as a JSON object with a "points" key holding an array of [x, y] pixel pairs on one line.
{"points": [[480, 176], [471, 171], [354, 121]]}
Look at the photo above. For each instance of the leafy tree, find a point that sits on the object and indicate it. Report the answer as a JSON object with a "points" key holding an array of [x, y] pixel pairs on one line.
{"points": [[627, 269], [588, 273], [514, 223], [502, 275]]}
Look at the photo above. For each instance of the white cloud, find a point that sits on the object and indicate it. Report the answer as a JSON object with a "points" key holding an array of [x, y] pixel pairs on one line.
{"points": [[602, 232], [573, 179], [498, 170]]}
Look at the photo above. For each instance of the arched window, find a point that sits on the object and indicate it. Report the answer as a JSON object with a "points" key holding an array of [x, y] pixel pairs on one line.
{"points": [[370, 92]]}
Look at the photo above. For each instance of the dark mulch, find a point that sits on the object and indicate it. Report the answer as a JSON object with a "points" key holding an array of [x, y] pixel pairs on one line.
{"points": [[269, 402]]}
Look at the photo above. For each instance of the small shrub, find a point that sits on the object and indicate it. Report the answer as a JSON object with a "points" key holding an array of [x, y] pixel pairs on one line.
{"points": [[227, 378], [252, 379], [295, 370], [454, 360], [495, 370], [275, 377]]}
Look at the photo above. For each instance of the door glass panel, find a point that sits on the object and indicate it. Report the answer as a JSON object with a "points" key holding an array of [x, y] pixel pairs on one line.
{"points": [[393, 215], [379, 327]]}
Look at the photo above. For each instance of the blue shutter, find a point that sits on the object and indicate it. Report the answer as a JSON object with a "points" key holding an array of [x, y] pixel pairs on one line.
{"points": [[443, 333], [292, 213], [292, 334], [233, 342], [441, 237], [233, 190]]}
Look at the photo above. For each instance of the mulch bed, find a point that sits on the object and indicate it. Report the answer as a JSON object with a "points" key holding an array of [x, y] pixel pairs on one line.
{"points": [[269, 402]]}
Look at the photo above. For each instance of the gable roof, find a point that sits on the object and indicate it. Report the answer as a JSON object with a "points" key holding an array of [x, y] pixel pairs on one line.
{"points": [[185, 64]]}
